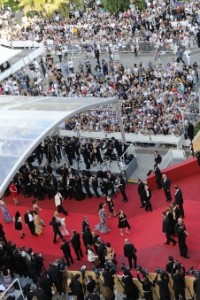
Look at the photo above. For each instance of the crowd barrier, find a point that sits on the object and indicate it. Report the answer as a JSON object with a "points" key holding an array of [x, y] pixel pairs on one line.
{"points": [[157, 140], [119, 289], [22, 62], [170, 156], [20, 43], [177, 172]]}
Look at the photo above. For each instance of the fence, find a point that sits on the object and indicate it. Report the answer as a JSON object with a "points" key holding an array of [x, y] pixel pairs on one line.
{"points": [[22, 62], [170, 156]]}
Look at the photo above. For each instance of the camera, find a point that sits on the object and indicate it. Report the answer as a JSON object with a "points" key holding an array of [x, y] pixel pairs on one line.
{"points": [[125, 268], [143, 271], [193, 272], [96, 271], [159, 271], [110, 266], [83, 270], [177, 265]]}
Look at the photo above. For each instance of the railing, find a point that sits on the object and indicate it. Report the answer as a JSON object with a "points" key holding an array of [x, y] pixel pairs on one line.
{"points": [[170, 156], [22, 62], [136, 138], [3, 295], [19, 44]]}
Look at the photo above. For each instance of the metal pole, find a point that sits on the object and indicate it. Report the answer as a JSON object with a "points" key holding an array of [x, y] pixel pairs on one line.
{"points": [[199, 100], [183, 122], [119, 114]]}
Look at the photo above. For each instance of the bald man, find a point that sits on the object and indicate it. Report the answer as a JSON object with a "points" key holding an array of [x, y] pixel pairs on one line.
{"points": [[130, 253]]}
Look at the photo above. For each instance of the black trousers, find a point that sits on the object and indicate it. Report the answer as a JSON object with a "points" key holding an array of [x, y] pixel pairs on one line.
{"points": [[69, 259], [55, 236], [131, 259], [181, 293], [79, 253], [168, 195], [124, 194]]}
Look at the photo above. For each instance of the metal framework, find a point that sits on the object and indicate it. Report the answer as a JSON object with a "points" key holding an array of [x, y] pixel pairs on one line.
{"points": [[26, 121]]}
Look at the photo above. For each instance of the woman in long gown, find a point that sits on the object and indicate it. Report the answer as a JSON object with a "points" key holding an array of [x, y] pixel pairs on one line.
{"points": [[63, 228], [6, 216], [102, 226], [38, 224], [37, 209]]}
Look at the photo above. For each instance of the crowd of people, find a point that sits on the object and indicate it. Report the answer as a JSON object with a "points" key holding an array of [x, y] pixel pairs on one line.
{"points": [[152, 98]]}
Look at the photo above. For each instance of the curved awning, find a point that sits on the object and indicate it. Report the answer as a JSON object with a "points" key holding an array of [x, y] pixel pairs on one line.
{"points": [[26, 121]]}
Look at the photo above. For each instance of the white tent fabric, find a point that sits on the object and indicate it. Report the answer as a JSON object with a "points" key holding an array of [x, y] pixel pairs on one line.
{"points": [[26, 121], [6, 54]]}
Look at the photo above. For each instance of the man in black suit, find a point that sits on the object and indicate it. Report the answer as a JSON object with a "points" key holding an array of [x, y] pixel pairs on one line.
{"points": [[65, 247], [28, 219], [141, 191], [182, 234], [130, 253], [166, 184], [157, 158], [179, 199], [122, 187], [55, 224], [76, 244], [158, 176], [179, 286], [147, 198]]}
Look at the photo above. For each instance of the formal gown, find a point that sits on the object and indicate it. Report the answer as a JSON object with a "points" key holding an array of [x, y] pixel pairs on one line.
{"points": [[6, 216], [102, 226]]}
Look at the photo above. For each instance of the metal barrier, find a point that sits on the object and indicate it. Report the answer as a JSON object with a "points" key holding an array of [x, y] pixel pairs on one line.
{"points": [[3, 295], [170, 156]]}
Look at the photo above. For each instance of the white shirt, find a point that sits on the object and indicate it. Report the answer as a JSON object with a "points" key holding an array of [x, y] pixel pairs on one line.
{"points": [[58, 198]]}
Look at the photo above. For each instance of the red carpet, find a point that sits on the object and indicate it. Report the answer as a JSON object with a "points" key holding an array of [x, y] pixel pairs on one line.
{"points": [[146, 232]]}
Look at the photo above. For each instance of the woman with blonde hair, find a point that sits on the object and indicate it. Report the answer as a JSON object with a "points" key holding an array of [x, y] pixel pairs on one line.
{"points": [[38, 223]]}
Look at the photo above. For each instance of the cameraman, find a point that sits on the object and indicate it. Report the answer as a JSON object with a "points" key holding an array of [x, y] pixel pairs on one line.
{"points": [[108, 278], [130, 289], [146, 286], [170, 264], [196, 286], [162, 283], [178, 277]]}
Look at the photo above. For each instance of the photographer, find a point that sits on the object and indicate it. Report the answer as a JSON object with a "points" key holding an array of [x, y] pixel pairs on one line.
{"points": [[178, 277], [76, 287], [130, 289], [162, 280], [196, 286], [146, 285], [108, 278], [170, 265]]}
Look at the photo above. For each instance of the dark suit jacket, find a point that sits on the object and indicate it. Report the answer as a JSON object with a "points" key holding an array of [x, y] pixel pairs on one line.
{"points": [[158, 159], [140, 188], [179, 197], [26, 218], [145, 197], [166, 184], [129, 250]]}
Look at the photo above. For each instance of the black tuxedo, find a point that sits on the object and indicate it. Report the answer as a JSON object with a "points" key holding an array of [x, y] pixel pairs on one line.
{"points": [[158, 176], [158, 159], [179, 201], [130, 253], [147, 199], [30, 224], [140, 191], [166, 184], [56, 229]]}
